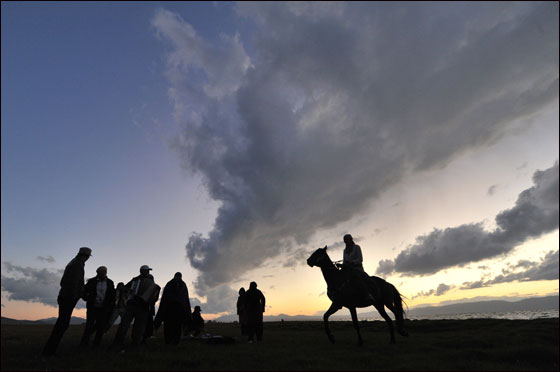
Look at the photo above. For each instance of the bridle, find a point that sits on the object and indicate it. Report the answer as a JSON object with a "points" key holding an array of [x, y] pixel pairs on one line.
{"points": [[324, 257]]}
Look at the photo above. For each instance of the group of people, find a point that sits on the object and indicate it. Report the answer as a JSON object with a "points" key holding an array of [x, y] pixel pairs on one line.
{"points": [[136, 301], [250, 308]]}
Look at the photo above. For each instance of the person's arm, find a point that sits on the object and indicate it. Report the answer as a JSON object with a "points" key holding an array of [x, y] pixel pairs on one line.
{"points": [[188, 309], [359, 257], [75, 280], [129, 284], [263, 301], [111, 293], [86, 291], [159, 317]]}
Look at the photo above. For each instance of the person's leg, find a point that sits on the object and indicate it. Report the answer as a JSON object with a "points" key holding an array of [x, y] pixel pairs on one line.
{"points": [[141, 314], [65, 308], [251, 328], [149, 331], [100, 321], [111, 319], [177, 315], [359, 282], [175, 331], [167, 331], [259, 328], [90, 326], [126, 319]]}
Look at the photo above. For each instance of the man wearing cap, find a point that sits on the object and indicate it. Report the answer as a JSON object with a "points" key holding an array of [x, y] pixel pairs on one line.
{"points": [[71, 289], [99, 294], [143, 290]]}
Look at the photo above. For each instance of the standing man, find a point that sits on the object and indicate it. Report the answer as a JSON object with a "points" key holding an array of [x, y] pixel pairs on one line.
{"points": [[99, 294], [71, 289], [174, 309], [255, 304], [142, 291], [149, 331]]}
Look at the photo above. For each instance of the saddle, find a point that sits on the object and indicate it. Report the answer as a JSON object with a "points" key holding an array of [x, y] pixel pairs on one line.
{"points": [[351, 278]]}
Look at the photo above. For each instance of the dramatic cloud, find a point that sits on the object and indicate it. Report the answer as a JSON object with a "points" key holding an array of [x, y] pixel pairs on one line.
{"points": [[547, 269], [335, 103], [32, 284], [49, 259], [535, 213]]}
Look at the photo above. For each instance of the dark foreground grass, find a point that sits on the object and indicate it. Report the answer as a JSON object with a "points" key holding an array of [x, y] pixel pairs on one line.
{"points": [[475, 344]]}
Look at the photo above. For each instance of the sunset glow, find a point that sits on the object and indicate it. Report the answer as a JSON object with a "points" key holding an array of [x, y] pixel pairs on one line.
{"points": [[228, 141]]}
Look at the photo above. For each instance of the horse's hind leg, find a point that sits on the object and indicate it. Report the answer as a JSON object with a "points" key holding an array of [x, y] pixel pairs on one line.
{"points": [[399, 318], [356, 324], [333, 309], [383, 313]]}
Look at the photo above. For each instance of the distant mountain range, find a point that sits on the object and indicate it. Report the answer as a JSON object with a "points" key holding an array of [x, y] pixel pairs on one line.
{"points": [[73, 320], [528, 304]]}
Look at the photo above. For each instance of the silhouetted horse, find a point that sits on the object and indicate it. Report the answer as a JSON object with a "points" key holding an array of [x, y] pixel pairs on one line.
{"points": [[342, 294]]}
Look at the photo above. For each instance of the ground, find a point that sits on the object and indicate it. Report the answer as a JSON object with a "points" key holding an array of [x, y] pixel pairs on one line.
{"points": [[474, 344]]}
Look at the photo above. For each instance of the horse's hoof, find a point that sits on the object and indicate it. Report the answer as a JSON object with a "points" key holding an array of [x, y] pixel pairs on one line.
{"points": [[404, 333], [331, 339], [360, 344], [392, 342]]}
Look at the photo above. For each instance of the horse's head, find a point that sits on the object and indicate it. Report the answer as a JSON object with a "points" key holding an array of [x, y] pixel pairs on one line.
{"points": [[319, 257]]}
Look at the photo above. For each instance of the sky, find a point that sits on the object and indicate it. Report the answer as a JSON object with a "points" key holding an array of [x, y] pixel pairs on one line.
{"points": [[228, 141]]}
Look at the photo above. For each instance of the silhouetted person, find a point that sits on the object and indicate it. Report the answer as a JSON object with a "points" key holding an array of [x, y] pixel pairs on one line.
{"points": [[197, 321], [255, 305], [71, 289], [352, 267], [149, 331], [242, 311], [142, 292], [99, 294], [119, 304], [174, 309]]}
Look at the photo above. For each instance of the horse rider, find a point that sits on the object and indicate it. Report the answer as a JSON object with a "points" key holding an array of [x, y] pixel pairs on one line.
{"points": [[353, 269]]}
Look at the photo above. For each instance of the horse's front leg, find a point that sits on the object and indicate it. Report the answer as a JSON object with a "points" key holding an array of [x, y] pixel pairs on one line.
{"points": [[333, 309], [356, 325]]}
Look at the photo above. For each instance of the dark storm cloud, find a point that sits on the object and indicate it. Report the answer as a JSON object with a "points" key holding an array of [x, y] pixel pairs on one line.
{"points": [[32, 284], [535, 213], [546, 269], [337, 102]]}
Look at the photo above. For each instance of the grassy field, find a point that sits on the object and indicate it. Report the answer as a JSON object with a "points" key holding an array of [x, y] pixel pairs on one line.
{"points": [[476, 344]]}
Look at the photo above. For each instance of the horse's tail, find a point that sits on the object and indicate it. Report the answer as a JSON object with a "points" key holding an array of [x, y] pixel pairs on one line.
{"points": [[399, 310], [398, 302]]}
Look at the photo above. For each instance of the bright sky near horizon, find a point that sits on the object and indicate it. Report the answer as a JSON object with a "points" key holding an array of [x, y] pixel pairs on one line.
{"points": [[228, 141]]}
